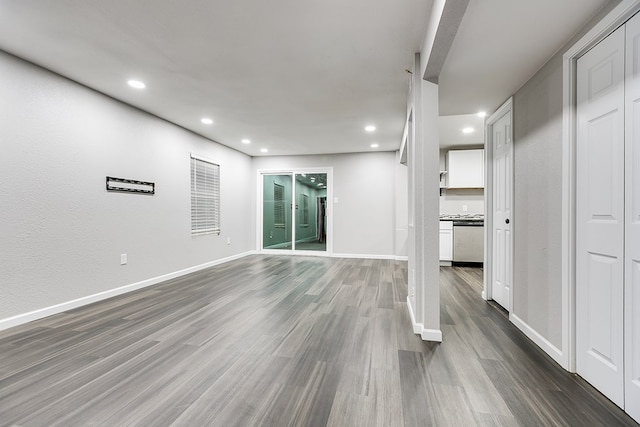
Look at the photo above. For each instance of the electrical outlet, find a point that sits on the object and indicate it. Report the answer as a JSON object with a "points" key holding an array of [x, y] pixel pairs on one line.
{"points": [[228, 240], [123, 259], [465, 208]]}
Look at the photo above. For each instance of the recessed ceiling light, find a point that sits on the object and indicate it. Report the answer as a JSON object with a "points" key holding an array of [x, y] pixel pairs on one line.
{"points": [[206, 121], [246, 141], [375, 145], [136, 84], [482, 114], [468, 130], [370, 128], [264, 150]]}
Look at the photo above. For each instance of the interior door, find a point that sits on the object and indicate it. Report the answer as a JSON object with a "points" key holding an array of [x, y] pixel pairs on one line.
{"points": [[600, 216], [632, 220], [502, 150]]}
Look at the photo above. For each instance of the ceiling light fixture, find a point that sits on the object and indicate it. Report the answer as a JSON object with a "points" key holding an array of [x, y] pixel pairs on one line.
{"points": [[264, 150], [246, 141], [482, 114], [375, 145], [370, 128], [206, 121], [468, 130], [137, 84]]}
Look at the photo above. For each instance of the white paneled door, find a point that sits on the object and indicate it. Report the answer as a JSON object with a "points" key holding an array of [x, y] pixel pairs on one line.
{"points": [[502, 151], [600, 216], [632, 219]]}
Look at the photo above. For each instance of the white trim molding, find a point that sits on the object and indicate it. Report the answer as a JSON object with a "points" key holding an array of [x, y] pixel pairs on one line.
{"points": [[620, 14], [434, 335], [539, 340], [90, 299], [366, 256], [417, 327]]}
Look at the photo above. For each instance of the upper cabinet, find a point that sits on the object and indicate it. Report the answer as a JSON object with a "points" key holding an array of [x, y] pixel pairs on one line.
{"points": [[465, 169]]}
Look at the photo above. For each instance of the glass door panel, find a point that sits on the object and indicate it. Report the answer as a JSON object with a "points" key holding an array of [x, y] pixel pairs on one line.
{"points": [[277, 221], [310, 212]]}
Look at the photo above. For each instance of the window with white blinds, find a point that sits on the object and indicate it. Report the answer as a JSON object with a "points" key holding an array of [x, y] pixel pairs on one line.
{"points": [[205, 196]]}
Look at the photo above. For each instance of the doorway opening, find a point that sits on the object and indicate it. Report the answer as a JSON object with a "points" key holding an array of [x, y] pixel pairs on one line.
{"points": [[462, 197]]}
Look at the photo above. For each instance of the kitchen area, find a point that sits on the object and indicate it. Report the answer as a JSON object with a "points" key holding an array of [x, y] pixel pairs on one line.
{"points": [[462, 191]]}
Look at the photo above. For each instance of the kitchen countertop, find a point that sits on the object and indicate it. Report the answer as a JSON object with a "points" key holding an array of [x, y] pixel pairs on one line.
{"points": [[463, 217]]}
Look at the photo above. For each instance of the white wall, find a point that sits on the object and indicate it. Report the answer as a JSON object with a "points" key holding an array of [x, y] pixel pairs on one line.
{"points": [[364, 220], [537, 127], [402, 208], [454, 200], [61, 233], [537, 202]]}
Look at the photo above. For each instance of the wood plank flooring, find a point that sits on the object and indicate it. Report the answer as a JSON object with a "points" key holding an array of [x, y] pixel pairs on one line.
{"points": [[288, 341]]}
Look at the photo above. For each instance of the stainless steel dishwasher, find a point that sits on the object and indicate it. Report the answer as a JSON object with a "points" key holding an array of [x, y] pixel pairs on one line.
{"points": [[468, 241]]}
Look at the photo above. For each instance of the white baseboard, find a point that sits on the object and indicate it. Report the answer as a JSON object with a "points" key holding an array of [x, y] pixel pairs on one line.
{"points": [[431, 335], [332, 255], [539, 340], [419, 329], [69, 305], [363, 256]]}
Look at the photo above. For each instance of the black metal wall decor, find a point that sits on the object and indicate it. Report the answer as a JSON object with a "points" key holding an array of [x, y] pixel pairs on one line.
{"points": [[130, 186]]}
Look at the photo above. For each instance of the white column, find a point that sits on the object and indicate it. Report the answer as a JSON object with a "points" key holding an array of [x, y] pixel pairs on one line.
{"points": [[424, 289]]}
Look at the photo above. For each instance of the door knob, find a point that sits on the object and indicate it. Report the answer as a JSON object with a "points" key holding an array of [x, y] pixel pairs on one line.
{"points": [[506, 221]]}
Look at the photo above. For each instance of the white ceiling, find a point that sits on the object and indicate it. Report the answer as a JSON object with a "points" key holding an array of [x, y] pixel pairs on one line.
{"points": [[501, 44], [296, 77], [452, 136]]}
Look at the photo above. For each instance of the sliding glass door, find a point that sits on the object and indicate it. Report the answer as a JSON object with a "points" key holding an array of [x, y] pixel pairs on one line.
{"points": [[294, 211]]}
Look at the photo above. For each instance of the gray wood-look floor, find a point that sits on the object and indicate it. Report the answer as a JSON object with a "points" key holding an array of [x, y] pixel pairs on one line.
{"points": [[287, 341]]}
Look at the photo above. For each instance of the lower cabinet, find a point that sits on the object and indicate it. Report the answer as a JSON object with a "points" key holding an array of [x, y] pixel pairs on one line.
{"points": [[446, 241]]}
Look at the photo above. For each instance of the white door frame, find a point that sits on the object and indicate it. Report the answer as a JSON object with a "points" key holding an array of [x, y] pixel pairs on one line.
{"points": [[488, 202], [620, 14], [329, 211]]}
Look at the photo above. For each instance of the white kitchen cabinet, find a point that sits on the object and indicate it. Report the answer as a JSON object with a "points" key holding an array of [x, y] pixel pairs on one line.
{"points": [[465, 168], [446, 241]]}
